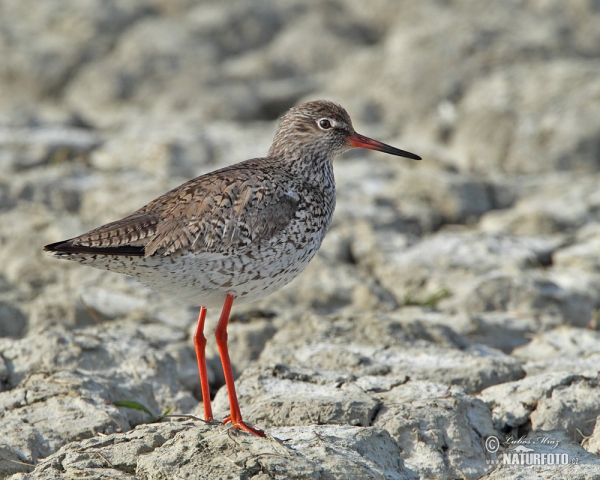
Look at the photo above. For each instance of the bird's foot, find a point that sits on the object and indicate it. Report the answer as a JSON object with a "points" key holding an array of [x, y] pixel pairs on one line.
{"points": [[240, 425]]}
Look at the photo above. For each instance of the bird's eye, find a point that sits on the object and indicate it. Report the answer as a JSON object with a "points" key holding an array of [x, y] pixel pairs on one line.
{"points": [[325, 124]]}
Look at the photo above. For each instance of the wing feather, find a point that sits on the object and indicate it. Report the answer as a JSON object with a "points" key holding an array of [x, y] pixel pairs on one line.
{"points": [[225, 210]]}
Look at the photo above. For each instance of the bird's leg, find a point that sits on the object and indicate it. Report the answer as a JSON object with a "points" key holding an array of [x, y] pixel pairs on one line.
{"points": [[200, 344], [221, 335]]}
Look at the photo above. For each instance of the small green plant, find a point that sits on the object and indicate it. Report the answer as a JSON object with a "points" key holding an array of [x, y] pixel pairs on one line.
{"points": [[429, 301], [138, 406]]}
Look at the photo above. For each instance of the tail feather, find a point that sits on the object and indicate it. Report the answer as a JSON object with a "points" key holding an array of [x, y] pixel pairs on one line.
{"points": [[67, 246]]}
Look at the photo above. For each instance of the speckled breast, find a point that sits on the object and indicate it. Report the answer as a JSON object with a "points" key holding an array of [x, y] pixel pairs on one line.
{"points": [[252, 273]]}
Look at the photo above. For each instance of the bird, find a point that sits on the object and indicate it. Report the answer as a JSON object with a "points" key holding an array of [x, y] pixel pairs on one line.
{"points": [[236, 234]]}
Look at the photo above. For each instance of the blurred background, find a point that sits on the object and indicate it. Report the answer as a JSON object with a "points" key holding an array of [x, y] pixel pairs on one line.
{"points": [[106, 104]]}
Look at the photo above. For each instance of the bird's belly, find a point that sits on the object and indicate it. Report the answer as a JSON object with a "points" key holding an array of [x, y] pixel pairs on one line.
{"points": [[206, 280], [249, 276]]}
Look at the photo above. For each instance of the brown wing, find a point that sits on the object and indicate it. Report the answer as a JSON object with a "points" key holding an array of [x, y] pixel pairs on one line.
{"points": [[224, 210], [225, 215], [127, 236]]}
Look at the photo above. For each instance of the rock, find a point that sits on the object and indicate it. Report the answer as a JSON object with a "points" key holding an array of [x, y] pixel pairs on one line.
{"points": [[172, 449], [277, 396], [558, 401], [125, 349], [421, 416], [507, 331], [53, 380], [581, 254], [439, 428], [47, 53], [46, 412], [110, 304], [170, 66], [385, 345], [557, 451], [13, 323], [475, 269], [162, 153], [25, 149], [249, 340], [454, 269], [457, 197], [451, 250], [535, 293], [563, 349], [487, 48], [499, 132], [118, 456], [548, 204], [592, 443]]}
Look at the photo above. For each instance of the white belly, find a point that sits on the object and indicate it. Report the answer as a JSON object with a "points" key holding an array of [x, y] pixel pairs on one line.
{"points": [[206, 279]]}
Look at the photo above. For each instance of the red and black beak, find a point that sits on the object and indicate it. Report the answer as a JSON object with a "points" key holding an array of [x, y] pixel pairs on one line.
{"points": [[360, 141]]}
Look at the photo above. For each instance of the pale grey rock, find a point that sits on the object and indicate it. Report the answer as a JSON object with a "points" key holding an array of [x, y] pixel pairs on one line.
{"points": [[60, 386], [176, 60], [106, 106], [474, 252], [60, 189], [13, 323], [563, 349], [388, 344], [548, 204], [592, 442], [4, 374], [508, 129], [160, 152], [331, 32], [247, 332], [455, 197], [151, 54], [171, 450], [460, 270], [328, 285], [47, 411], [409, 197], [110, 304], [277, 396], [125, 348], [494, 40], [439, 428], [507, 331], [578, 463], [582, 254], [23, 149], [42, 53], [25, 272], [111, 456], [557, 401], [552, 294], [102, 202]]}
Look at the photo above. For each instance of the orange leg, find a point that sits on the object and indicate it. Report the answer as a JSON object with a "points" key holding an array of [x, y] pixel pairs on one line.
{"points": [[200, 344], [235, 415]]}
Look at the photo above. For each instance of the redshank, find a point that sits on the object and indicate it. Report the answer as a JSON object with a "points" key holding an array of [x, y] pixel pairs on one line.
{"points": [[236, 234]]}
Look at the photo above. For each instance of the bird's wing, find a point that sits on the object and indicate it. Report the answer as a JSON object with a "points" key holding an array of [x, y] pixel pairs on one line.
{"points": [[127, 236], [225, 214], [217, 212]]}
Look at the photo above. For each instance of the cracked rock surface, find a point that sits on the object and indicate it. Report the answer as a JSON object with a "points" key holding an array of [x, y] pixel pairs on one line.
{"points": [[448, 327]]}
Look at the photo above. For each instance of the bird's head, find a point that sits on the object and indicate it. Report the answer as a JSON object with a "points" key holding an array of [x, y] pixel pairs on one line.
{"points": [[323, 129]]}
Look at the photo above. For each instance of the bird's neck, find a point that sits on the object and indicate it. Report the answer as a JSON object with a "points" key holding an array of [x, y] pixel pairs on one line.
{"points": [[313, 169]]}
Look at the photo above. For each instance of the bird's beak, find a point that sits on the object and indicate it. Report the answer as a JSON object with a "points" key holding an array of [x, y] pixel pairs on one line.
{"points": [[357, 140]]}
